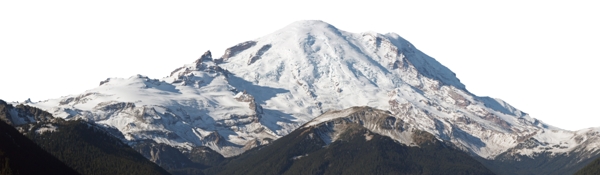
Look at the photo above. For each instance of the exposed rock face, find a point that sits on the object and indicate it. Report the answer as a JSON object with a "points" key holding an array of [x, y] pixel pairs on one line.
{"points": [[114, 106], [215, 138], [233, 51], [76, 100], [207, 56], [205, 156], [105, 81], [186, 76], [258, 54], [164, 155], [331, 123], [245, 97]]}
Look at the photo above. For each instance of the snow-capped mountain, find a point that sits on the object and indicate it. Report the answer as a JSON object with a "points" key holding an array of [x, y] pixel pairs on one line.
{"points": [[262, 89]]}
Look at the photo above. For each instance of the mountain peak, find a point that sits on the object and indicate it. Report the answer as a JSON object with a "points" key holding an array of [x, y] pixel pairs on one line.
{"points": [[309, 24], [207, 56], [308, 27]]}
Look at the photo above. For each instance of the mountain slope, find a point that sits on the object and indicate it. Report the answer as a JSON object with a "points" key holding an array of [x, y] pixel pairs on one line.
{"points": [[19, 155], [590, 169], [195, 106], [566, 153], [87, 148], [354, 150], [90, 150], [545, 163]]}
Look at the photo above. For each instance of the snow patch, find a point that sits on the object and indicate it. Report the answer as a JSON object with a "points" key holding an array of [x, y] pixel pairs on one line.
{"points": [[46, 128]]}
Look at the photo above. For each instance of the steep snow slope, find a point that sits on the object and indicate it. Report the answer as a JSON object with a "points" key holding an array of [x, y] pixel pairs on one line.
{"points": [[326, 69], [262, 89]]}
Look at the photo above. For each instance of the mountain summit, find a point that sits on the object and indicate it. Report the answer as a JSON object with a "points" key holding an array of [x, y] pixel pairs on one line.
{"points": [[263, 89]]}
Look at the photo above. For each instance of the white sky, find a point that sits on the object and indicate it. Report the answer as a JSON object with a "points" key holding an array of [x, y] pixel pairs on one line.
{"points": [[538, 56]]}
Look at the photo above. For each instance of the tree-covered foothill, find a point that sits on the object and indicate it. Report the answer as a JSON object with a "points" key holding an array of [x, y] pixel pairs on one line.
{"points": [[20, 155], [90, 150], [302, 152]]}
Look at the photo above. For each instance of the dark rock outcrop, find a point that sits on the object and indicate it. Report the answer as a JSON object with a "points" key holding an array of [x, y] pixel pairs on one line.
{"points": [[256, 56], [207, 56], [232, 51]]}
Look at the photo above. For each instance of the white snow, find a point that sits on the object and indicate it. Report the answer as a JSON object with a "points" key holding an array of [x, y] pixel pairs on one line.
{"points": [[46, 128]]}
